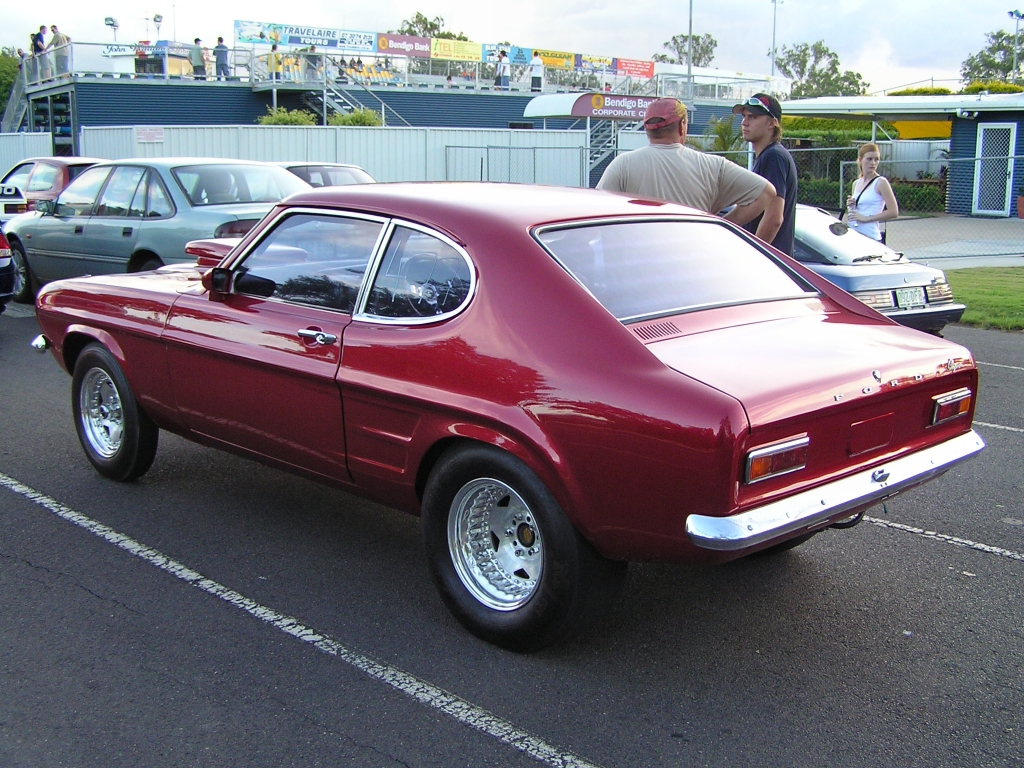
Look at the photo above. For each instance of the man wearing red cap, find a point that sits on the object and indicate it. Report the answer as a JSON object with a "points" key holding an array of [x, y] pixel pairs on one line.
{"points": [[762, 127], [667, 169]]}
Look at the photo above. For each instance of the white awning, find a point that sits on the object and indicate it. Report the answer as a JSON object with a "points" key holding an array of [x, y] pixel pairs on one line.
{"points": [[894, 108]]}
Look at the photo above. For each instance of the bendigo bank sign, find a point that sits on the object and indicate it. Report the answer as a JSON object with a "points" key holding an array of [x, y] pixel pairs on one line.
{"points": [[611, 106]]}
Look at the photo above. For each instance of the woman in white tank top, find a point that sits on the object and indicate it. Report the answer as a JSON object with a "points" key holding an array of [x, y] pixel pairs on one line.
{"points": [[872, 200]]}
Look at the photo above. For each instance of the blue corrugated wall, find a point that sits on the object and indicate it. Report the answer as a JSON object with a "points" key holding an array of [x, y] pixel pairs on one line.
{"points": [[963, 143], [136, 102]]}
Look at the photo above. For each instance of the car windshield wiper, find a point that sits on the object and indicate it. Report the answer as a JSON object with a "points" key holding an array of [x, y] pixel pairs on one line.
{"points": [[868, 258]]}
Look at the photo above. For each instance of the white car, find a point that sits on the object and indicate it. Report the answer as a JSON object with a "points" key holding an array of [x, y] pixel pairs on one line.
{"points": [[911, 294], [329, 174]]}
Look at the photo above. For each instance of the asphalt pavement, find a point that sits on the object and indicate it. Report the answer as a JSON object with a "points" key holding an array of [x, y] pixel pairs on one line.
{"points": [[217, 612]]}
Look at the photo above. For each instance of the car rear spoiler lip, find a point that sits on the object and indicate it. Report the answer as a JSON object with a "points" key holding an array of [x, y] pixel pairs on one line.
{"points": [[809, 508]]}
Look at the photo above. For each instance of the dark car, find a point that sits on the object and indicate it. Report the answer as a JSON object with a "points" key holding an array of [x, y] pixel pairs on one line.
{"points": [[557, 381], [138, 214], [35, 179], [7, 273]]}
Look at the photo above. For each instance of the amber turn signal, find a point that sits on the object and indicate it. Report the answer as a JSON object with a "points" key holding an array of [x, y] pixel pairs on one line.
{"points": [[777, 459], [950, 405]]}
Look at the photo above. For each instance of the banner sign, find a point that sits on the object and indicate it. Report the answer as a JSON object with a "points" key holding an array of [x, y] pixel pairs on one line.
{"points": [[454, 50], [403, 45], [516, 55], [595, 63], [611, 106], [557, 59], [635, 68], [261, 33], [142, 51]]}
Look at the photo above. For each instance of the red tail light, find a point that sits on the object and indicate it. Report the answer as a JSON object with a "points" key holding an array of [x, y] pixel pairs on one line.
{"points": [[237, 228], [5, 247], [951, 405], [777, 459]]}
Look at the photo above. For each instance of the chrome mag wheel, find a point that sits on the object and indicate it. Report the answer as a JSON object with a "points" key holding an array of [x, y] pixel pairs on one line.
{"points": [[101, 413], [495, 544]]}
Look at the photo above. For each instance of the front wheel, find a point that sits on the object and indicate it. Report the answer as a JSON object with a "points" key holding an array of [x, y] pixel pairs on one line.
{"points": [[24, 282], [118, 437], [507, 561]]}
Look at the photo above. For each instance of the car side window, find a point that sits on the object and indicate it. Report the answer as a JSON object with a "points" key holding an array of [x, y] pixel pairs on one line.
{"points": [[78, 197], [158, 201], [137, 209], [19, 176], [420, 276], [117, 195], [43, 178], [311, 259]]}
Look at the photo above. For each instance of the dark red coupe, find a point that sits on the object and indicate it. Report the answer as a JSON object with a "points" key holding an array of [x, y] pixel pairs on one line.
{"points": [[557, 381]]}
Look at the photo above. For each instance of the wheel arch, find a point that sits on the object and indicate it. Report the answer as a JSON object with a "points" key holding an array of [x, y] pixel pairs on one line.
{"points": [[78, 338], [140, 257]]}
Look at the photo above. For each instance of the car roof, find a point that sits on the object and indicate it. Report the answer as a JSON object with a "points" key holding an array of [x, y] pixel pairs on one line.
{"points": [[313, 163], [441, 203], [61, 161], [175, 162]]}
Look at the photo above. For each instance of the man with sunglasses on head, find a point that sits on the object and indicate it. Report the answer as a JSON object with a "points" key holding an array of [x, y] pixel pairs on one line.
{"points": [[762, 127], [666, 169]]}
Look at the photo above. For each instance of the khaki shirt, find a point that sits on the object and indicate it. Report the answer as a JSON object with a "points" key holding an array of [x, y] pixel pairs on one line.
{"points": [[682, 175]]}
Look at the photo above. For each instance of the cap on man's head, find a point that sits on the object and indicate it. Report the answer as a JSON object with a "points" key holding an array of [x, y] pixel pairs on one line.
{"points": [[198, 40], [760, 104], [663, 112]]}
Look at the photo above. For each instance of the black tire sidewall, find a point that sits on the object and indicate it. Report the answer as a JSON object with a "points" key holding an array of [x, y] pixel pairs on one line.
{"points": [[549, 612], [27, 292], [138, 445]]}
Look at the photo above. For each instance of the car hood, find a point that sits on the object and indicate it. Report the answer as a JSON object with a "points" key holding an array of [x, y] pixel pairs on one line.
{"points": [[836, 241], [877, 275], [787, 367]]}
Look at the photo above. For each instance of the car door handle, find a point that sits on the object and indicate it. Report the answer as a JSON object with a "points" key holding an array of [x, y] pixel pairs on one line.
{"points": [[317, 337], [79, 229], [126, 232]]}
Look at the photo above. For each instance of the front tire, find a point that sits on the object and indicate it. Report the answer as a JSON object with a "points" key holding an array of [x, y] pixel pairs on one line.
{"points": [[24, 282], [118, 438], [508, 563]]}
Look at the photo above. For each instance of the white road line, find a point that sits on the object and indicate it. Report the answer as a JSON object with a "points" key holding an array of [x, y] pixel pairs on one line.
{"points": [[425, 693], [997, 426], [954, 540], [1000, 365]]}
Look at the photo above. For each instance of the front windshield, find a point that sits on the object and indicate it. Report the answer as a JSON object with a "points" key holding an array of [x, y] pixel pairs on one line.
{"points": [[226, 183], [645, 269]]}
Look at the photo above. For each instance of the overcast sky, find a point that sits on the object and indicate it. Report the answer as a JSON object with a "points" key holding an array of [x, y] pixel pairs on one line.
{"points": [[889, 44]]}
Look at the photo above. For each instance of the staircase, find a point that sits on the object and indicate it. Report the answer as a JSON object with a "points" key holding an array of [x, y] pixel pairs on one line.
{"points": [[326, 101], [17, 108], [604, 143]]}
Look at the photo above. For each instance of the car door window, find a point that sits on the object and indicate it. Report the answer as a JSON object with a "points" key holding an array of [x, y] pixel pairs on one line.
{"points": [[158, 201], [43, 178], [120, 190], [80, 195], [420, 276], [19, 176], [311, 259]]}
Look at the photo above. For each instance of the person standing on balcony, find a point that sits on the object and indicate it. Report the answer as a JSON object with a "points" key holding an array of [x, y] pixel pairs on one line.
{"points": [[762, 127], [872, 200], [220, 58], [197, 60], [274, 63], [667, 169], [536, 73], [61, 45], [42, 66], [504, 70]]}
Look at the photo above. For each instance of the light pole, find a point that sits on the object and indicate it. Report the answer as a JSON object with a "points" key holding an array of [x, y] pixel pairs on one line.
{"points": [[1016, 16], [111, 22], [689, 56], [775, 13]]}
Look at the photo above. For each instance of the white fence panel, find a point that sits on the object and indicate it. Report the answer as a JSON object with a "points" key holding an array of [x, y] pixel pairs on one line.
{"points": [[387, 154], [629, 140], [108, 143], [15, 147]]}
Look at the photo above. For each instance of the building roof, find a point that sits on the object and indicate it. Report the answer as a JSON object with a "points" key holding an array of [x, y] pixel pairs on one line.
{"points": [[892, 108]]}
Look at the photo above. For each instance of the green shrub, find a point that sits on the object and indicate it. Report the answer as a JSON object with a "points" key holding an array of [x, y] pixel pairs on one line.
{"points": [[992, 86], [821, 193], [356, 117], [283, 116], [919, 199], [921, 92]]}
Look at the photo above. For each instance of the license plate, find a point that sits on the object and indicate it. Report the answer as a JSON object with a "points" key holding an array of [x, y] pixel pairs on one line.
{"points": [[910, 297]]}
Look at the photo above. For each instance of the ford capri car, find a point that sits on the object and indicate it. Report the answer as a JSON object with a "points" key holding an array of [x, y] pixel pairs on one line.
{"points": [[911, 294], [556, 381], [135, 215]]}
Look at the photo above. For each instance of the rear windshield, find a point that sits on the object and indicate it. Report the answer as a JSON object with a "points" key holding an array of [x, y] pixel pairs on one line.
{"points": [[222, 184], [644, 269], [330, 175]]}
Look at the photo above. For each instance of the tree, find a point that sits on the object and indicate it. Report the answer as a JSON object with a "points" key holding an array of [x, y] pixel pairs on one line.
{"points": [[679, 46], [355, 117], [285, 116], [994, 61], [815, 71], [8, 74], [420, 26]]}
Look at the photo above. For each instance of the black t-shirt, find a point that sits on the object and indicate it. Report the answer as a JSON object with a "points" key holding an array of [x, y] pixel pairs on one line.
{"points": [[776, 165]]}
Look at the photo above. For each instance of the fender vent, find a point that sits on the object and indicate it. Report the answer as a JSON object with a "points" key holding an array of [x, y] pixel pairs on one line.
{"points": [[655, 330]]}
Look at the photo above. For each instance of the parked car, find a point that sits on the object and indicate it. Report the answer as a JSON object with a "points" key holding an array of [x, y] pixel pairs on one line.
{"points": [[138, 214], [556, 380], [6, 274], [329, 174], [911, 294], [35, 179]]}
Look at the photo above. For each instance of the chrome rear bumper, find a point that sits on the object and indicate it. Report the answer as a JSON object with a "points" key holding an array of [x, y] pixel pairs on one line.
{"points": [[809, 508]]}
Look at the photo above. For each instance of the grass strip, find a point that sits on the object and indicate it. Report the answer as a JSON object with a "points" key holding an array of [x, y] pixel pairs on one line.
{"points": [[994, 296]]}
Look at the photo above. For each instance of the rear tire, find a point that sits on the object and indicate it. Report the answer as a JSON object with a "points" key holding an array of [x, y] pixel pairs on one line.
{"points": [[149, 265], [118, 438], [24, 281], [508, 563]]}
